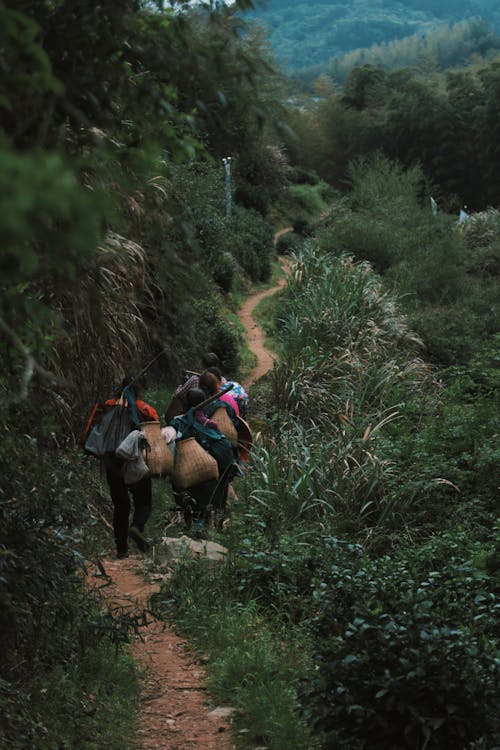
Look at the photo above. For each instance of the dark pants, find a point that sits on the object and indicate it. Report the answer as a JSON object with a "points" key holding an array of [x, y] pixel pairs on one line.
{"points": [[209, 495], [143, 502]]}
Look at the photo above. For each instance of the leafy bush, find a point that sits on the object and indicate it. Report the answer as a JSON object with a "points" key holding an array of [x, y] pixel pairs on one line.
{"points": [[252, 243], [301, 176], [454, 447], [309, 198], [260, 176], [481, 229], [64, 680], [406, 653], [288, 243]]}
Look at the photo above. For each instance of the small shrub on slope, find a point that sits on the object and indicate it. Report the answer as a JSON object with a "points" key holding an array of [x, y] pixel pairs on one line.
{"points": [[406, 651]]}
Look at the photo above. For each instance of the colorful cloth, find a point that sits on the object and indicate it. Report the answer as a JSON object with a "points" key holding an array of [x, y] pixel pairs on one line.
{"points": [[183, 388], [146, 412], [228, 398], [238, 393]]}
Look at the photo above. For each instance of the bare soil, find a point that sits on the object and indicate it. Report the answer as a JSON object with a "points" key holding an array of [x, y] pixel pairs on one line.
{"points": [[175, 713], [255, 335]]}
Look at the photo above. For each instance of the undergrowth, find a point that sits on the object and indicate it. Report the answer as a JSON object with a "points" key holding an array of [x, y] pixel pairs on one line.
{"points": [[66, 680]]}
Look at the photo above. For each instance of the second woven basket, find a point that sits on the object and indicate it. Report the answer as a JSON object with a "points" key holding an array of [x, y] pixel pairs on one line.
{"points": [[225, 425], [192, 465], [158, 458]]}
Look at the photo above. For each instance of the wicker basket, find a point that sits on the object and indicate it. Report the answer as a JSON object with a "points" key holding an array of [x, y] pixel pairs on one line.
{"points": [[192, 465], [225, 424], [158, 457]]}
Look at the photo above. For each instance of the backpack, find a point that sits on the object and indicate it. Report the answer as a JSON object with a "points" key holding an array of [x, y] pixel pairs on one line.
{"points": [[113, 427]]}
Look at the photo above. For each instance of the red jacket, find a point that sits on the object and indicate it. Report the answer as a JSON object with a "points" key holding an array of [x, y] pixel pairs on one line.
{"points": [[146, 412]]}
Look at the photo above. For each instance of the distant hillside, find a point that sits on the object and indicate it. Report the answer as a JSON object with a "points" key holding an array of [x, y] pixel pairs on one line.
{"points": [[306, 34]]}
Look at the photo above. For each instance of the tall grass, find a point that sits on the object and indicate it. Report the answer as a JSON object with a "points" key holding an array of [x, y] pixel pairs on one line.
{"points": [[352, 466], [253, 666]]}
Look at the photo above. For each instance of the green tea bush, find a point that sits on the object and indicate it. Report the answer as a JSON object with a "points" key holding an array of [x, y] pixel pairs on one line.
{"points": [[252, 243], [308, 197], [407, 652], [288, 243]]}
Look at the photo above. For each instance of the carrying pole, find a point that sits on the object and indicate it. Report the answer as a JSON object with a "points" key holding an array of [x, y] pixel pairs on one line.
{"points": [[146, 368], [210, 399]]}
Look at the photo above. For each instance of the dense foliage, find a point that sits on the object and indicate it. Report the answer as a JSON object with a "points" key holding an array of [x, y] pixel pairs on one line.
{"points": [[355, 534], [356, 606], [447, 124], [366, 528], [309, 35], [112, 254]]}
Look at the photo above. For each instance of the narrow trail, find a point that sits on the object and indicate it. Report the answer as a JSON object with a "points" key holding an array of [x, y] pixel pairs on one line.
{"points": [[255, 335], [174, 713]]}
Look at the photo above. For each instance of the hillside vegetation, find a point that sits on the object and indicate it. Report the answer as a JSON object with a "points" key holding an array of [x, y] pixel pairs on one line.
{"points": [[310, 35], [116, 249], [357, 606], [447, 123]]}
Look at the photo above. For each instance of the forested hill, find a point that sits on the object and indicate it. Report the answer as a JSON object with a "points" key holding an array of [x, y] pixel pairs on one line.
{"points": [[305, 34]]}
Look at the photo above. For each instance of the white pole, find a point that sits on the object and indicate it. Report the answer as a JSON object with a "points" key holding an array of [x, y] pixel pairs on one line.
{"points": [[227, 167]]}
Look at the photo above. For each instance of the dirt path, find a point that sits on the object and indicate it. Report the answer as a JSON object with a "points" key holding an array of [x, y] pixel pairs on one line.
{"points": [[255, 335], [174, 714]]}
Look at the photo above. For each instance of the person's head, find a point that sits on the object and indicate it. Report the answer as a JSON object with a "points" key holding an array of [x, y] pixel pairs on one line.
{"points": [[210, 359], [209, 383], [194, 397], [215, 371]]}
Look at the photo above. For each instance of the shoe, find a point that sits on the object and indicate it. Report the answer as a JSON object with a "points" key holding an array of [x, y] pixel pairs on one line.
{"points": [[121, 555], [138, 538]]}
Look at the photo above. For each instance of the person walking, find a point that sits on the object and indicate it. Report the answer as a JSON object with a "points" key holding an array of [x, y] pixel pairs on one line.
{"points": [[212, 493], [141, 491]]}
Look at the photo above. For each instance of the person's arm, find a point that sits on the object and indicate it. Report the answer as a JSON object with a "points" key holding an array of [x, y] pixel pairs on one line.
{"points": [[182, 389], [147, 413]]}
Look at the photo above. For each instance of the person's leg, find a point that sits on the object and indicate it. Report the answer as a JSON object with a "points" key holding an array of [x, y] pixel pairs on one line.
{"points": [[142, 492], [202, 495], [121, 510], [220, 502]]}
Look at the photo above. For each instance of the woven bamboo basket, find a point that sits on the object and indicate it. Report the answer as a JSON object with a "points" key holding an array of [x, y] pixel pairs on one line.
{"points": [[158, 458], [192, 465], [225, 425]]}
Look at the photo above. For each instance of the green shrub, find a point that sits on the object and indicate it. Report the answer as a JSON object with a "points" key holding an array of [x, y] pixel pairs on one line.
{"points": [[288, 243], [406, 653], [65, 681], [302, 176], [308, 197], [252, 243]]}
